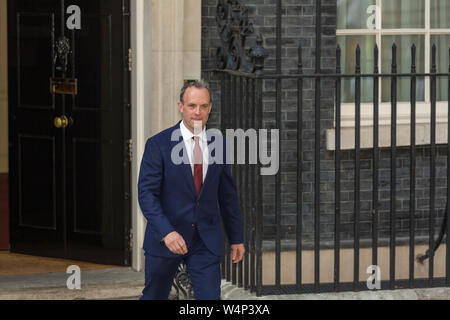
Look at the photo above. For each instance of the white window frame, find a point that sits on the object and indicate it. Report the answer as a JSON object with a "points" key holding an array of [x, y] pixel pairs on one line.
{"points": [[403, 108]]}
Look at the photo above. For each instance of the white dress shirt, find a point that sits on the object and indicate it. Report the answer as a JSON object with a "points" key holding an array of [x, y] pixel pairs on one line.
{"points": [[189, 143]]}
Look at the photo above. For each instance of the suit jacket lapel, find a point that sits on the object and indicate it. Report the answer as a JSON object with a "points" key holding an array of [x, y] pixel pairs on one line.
{"points": [[185, 167]]}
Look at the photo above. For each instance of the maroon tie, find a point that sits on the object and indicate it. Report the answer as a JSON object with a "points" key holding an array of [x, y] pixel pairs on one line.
{"points": [[198, 166]]}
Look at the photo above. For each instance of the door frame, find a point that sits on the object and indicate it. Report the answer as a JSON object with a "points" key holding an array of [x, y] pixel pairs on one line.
{"points": [[127, 134], [141, 27], [126, 16], [154, 98]]}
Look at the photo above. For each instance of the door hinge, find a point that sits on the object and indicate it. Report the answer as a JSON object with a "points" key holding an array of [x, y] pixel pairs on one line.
{"points": [[130, 59], [129, 146]]}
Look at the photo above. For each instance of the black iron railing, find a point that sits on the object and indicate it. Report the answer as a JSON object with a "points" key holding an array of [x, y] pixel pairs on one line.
{"points": [[242, 107], [243, 91]]}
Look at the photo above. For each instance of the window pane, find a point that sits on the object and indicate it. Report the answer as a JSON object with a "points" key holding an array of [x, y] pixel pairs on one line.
{"points": [[442, 43], [397, 14], [348, 65], [404, 44], [352, 14], [440, 13]]}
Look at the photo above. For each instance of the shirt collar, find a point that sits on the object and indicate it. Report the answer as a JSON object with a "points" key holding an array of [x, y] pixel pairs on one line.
{"points": [[187, 134]]}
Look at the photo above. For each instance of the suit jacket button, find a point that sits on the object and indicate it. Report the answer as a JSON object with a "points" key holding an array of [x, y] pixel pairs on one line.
{"points": [[198, 204]]}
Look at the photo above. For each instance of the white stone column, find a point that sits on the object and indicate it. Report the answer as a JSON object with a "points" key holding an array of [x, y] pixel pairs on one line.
{"points": [[192, 39], [141, 24], [157, 76], [166, 43], [167, 67]]}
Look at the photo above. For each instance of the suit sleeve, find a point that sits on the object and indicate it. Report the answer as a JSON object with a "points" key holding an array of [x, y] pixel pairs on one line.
{"points": [[149, 191], [229, 207]]}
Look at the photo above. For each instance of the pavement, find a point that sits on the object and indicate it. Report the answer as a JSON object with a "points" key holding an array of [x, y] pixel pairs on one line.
{"points": [[127, 284], [230, 292], [103, 284]]}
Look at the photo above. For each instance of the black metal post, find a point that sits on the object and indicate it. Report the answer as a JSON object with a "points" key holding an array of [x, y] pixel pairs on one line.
{"points": [[299, 173], [259, 213], [240, 167], [432, 164], [247, 186], [317, 151], [223, 123], [278, 175], [412, 195], [447, 255], [393, 166], [253, 196], [357, 203], [337, 165], [375, 158]]}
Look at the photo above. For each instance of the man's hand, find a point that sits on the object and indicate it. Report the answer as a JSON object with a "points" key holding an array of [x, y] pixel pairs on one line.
{"points": [[175, 243], [237, 252]]}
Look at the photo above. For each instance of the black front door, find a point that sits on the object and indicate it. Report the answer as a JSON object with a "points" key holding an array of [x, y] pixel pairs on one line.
{"points": [[70, 129]]}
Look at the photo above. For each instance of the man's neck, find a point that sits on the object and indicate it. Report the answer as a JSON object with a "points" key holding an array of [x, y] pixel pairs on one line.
{"points": [[194, 131]]}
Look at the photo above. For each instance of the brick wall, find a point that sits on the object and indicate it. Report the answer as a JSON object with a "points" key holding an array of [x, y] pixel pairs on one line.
{"points": [[298, 27]]}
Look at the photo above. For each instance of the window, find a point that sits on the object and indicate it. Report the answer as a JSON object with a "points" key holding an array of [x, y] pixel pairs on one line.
{"points": [[385, 22]]}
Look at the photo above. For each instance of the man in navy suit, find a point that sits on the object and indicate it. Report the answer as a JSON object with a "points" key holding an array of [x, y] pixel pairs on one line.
{"points": [[183, 202]]}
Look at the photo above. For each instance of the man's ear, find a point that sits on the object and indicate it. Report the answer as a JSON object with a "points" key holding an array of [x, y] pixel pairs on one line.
{"points": [[180, 106]]}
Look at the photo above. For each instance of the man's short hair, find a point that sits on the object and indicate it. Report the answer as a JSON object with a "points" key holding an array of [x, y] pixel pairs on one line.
{"points": [[199, 84]]}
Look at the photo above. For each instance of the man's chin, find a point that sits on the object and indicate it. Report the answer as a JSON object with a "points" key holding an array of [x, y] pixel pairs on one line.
{"points": [[197, 125]]}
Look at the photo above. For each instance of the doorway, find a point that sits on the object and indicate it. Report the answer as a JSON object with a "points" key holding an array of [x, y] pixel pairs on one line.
{"points": [[69, 119]]}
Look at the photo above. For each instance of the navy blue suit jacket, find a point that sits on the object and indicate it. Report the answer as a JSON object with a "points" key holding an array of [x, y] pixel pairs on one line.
{"points": [[168, 199]]}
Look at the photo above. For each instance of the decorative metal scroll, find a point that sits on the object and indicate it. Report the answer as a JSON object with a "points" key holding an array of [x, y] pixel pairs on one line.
{"points": [[234, 27], [431, 251], [182, 285]]}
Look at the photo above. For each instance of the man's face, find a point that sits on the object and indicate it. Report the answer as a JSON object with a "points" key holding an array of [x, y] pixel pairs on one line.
{"points": [[196, 109]]}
